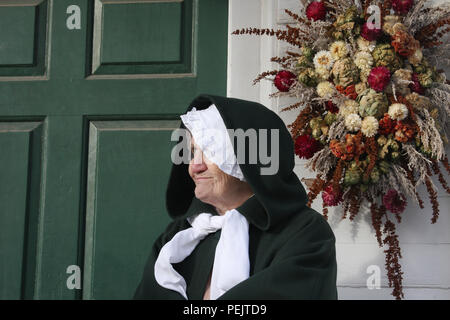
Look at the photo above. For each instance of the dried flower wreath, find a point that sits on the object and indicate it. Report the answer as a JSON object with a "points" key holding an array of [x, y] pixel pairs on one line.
{"points": [[374, 106]]}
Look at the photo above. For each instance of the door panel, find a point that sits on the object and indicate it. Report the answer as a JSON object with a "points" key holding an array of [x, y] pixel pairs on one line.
{"points": [[120, 182], [86, 117], [20, 177]]}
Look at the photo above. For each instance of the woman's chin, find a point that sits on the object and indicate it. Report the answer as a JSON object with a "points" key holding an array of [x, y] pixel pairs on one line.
{"points": [[201, 193]]}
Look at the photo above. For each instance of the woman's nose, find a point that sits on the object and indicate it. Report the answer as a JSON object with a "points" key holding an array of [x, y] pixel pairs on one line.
{"points": [[197, 163], [197, 168]]}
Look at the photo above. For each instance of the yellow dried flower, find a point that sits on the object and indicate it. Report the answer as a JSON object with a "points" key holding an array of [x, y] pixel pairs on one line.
{"points": [[339, 50], [325, 89], [398, 111], [353, 122], [348, 107], [369, 126]]}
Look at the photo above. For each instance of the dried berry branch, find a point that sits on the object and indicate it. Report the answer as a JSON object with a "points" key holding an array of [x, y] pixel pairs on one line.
{"points": [[437, 171], [433, 197], [393, 254]]}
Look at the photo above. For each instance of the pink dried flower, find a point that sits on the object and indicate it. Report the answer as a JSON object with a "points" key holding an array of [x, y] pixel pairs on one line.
{"points": [[379, 78], [416, 86], [402, 6], [306, 146], [283, 80], [330, 197], [316, 10], [332, 107], [394, 201], [369, 32]]}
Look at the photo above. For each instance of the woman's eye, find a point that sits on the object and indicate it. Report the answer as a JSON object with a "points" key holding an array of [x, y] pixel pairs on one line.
{"points": [[192, 152]]}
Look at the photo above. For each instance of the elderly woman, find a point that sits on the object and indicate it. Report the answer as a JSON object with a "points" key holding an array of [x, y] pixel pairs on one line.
{"points": [[237, 232]]}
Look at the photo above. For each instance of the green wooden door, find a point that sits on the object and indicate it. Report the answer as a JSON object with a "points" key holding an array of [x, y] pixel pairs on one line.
{"points": [[90, 91]]}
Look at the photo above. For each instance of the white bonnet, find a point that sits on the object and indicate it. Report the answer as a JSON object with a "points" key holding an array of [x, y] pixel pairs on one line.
{"points": [[210, 134]]}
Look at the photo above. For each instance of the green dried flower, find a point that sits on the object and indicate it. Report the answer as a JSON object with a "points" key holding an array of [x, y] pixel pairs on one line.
{"points": [[375, 175], [384, 166], [351, 15], [382, 140], [345, 72], [395, 155], [316, 133], [347, 24], [394, 145], [303, 62], [308, 77], [426, 79], [385, 56], [372, 103], [308, 53], [353, 174], [316, 123], [330, 118]]}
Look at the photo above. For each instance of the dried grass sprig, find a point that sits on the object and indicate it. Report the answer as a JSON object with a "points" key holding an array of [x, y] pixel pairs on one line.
{"points": [[322, 162], [264, 75], [292, 107], [290, 36], [416, 162], [405, 184], [337, 130], [410, 176], [297, 17]]}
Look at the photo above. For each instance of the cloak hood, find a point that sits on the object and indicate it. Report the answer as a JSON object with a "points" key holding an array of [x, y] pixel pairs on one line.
{"points": [[277, 197]]}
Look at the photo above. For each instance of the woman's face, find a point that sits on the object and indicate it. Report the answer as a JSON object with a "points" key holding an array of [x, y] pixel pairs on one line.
{"points": [[212, 185]]}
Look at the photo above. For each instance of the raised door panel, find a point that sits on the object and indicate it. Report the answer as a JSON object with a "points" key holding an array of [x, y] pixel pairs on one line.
{"points": [[23, 39], [150, 38], [126, 202], [19, 206]]}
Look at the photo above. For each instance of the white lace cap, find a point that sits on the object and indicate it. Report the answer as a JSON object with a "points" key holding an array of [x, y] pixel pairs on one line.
{"points": [[210, 134]]}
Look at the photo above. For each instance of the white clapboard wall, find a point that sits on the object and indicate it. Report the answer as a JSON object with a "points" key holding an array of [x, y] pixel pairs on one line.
{"points": [[425, 247]]}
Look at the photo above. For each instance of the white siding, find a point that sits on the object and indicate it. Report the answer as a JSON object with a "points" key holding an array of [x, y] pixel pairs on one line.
{"points": [[425, 247]]}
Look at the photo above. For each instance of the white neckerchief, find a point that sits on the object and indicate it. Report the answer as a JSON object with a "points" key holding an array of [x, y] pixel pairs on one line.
{"points": [[231, 261]]}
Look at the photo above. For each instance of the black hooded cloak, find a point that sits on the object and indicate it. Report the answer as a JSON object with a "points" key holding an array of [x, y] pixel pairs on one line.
{"points": [[291, 246]]}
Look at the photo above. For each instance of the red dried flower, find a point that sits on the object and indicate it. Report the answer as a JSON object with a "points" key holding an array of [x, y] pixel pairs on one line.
{"points": [[386, 125], [283, 80], [402, 6], [306, 146], [352, 148], [404, 44], [332, 107], [416, 86], [369, 32], [379, 78], [349, 91], [316, 10], [404, 131], [331, 197], [394, 201]]}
